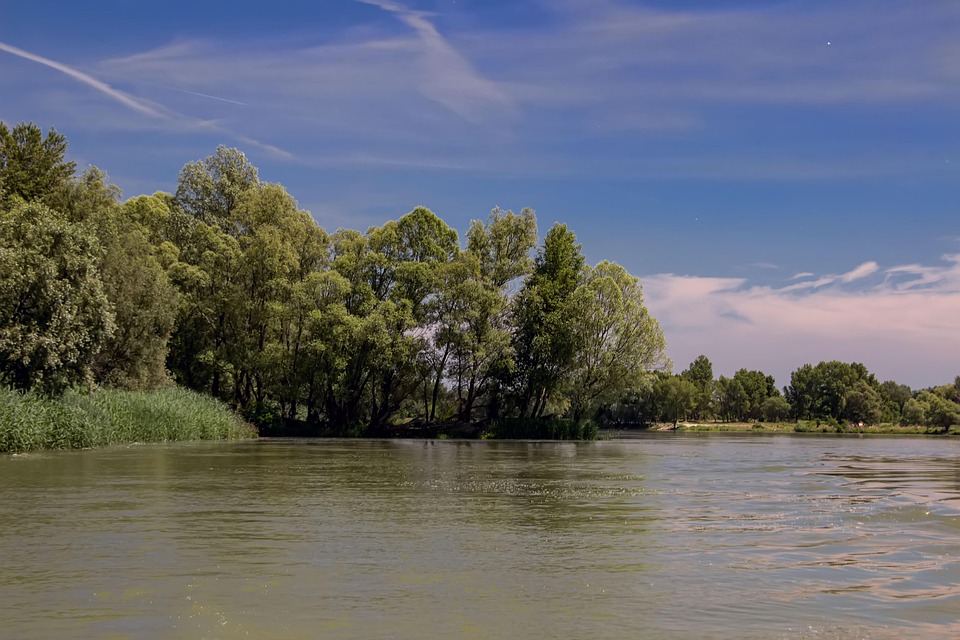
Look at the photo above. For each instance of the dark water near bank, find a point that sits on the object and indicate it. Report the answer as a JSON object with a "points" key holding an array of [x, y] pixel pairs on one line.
{"points": [[665, 536]]}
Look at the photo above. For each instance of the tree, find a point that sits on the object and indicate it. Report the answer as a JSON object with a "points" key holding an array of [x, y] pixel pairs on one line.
{"points": [[733, 401], [775, 409], [545, 338], [895, 396], [863, 403], [32, 166], [54, 314], [757, 387], [497, 255], [821, 391], [700, 373], [679, 397], [618, 340], [210, 189], [144, 304]]}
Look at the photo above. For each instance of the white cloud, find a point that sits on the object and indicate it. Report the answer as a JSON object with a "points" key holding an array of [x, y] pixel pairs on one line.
{"points": [[448, 77], [864, 270], [899, 329]]}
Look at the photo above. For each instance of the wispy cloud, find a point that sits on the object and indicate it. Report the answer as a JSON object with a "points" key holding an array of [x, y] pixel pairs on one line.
{"points": [[864, 270], [449, 78], [533, 93], [903, 326], [142, 107], [115, 94]]}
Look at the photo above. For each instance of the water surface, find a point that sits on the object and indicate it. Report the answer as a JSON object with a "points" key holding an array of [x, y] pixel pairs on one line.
{"points": [[662, 536]]}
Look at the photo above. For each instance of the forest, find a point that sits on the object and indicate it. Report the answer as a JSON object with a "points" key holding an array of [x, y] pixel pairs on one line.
{"points": [[226, 287]]}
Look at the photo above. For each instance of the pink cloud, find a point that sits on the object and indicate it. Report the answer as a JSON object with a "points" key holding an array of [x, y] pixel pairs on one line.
{"points": [[902, 330]]}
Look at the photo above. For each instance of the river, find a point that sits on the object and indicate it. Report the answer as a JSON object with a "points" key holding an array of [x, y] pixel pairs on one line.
{"points": [[660, 536]]}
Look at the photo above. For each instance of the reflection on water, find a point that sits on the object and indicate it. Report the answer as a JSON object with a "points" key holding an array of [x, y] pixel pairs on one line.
{"points": [[665, 536]]}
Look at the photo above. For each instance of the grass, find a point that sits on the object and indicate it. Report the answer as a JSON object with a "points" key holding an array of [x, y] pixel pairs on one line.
{"points": [[32, 422]]}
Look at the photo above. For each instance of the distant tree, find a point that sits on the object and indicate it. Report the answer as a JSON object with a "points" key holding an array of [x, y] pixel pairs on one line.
{"points": [[914, 413], [821, 391], [775, 409], [863, 403], [895, 396], [733, 403], [700, 371], [678, 397]]}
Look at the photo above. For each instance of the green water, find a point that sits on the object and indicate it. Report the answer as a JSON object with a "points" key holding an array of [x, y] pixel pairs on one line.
{"points": [[665, 536]]}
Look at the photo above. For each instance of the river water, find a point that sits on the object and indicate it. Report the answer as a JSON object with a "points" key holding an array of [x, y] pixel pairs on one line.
{"points": [[661, 536]]}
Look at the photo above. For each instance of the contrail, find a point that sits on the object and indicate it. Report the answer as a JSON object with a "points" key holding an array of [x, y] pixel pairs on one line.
{"points": [[200, 95], [90, 81], [136, 105]]}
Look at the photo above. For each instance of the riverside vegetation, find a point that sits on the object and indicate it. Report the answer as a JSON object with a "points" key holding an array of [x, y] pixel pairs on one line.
{"points": [[229, 289]]}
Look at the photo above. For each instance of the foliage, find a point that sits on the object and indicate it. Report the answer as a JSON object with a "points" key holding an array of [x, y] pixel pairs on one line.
{"points": [[545, 339], [55, 316], [230, 289], [619, 341], [32, 166]]}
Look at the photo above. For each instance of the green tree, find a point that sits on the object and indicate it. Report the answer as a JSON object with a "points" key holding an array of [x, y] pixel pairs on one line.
{"points": [[821, 391], [210, 189], [32, 166], [497, 255], [679, 397], [54, 314], [757, 387], [144, 303], [863, 403], [545, 339], [895, 396], [700, 373], [618, 341], [775, 409], [732, 399]]}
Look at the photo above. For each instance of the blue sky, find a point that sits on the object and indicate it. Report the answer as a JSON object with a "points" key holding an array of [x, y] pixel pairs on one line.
{"points": [[783, 176]]}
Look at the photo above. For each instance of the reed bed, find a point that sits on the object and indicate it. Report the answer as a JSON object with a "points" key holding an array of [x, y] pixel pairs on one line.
{"points": [[108, 416], [544, 429]]}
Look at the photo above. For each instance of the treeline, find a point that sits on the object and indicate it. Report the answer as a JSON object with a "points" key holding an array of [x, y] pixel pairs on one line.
{"points": [[228, 288], [830, 393]]}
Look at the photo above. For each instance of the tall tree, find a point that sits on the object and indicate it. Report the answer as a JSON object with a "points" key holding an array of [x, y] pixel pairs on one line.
{"points": [[498, 254], [545, 336], [618, 340]]}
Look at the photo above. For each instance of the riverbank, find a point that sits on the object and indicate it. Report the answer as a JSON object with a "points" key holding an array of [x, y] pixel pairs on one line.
{"points": [[805, 426], [30, 422]]}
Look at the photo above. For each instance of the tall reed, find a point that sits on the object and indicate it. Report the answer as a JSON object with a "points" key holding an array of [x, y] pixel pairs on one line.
{"points": [[109, 416]]}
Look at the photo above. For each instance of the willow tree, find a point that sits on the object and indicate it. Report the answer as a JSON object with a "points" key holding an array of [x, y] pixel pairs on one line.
{"points": [[618, 340]]}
